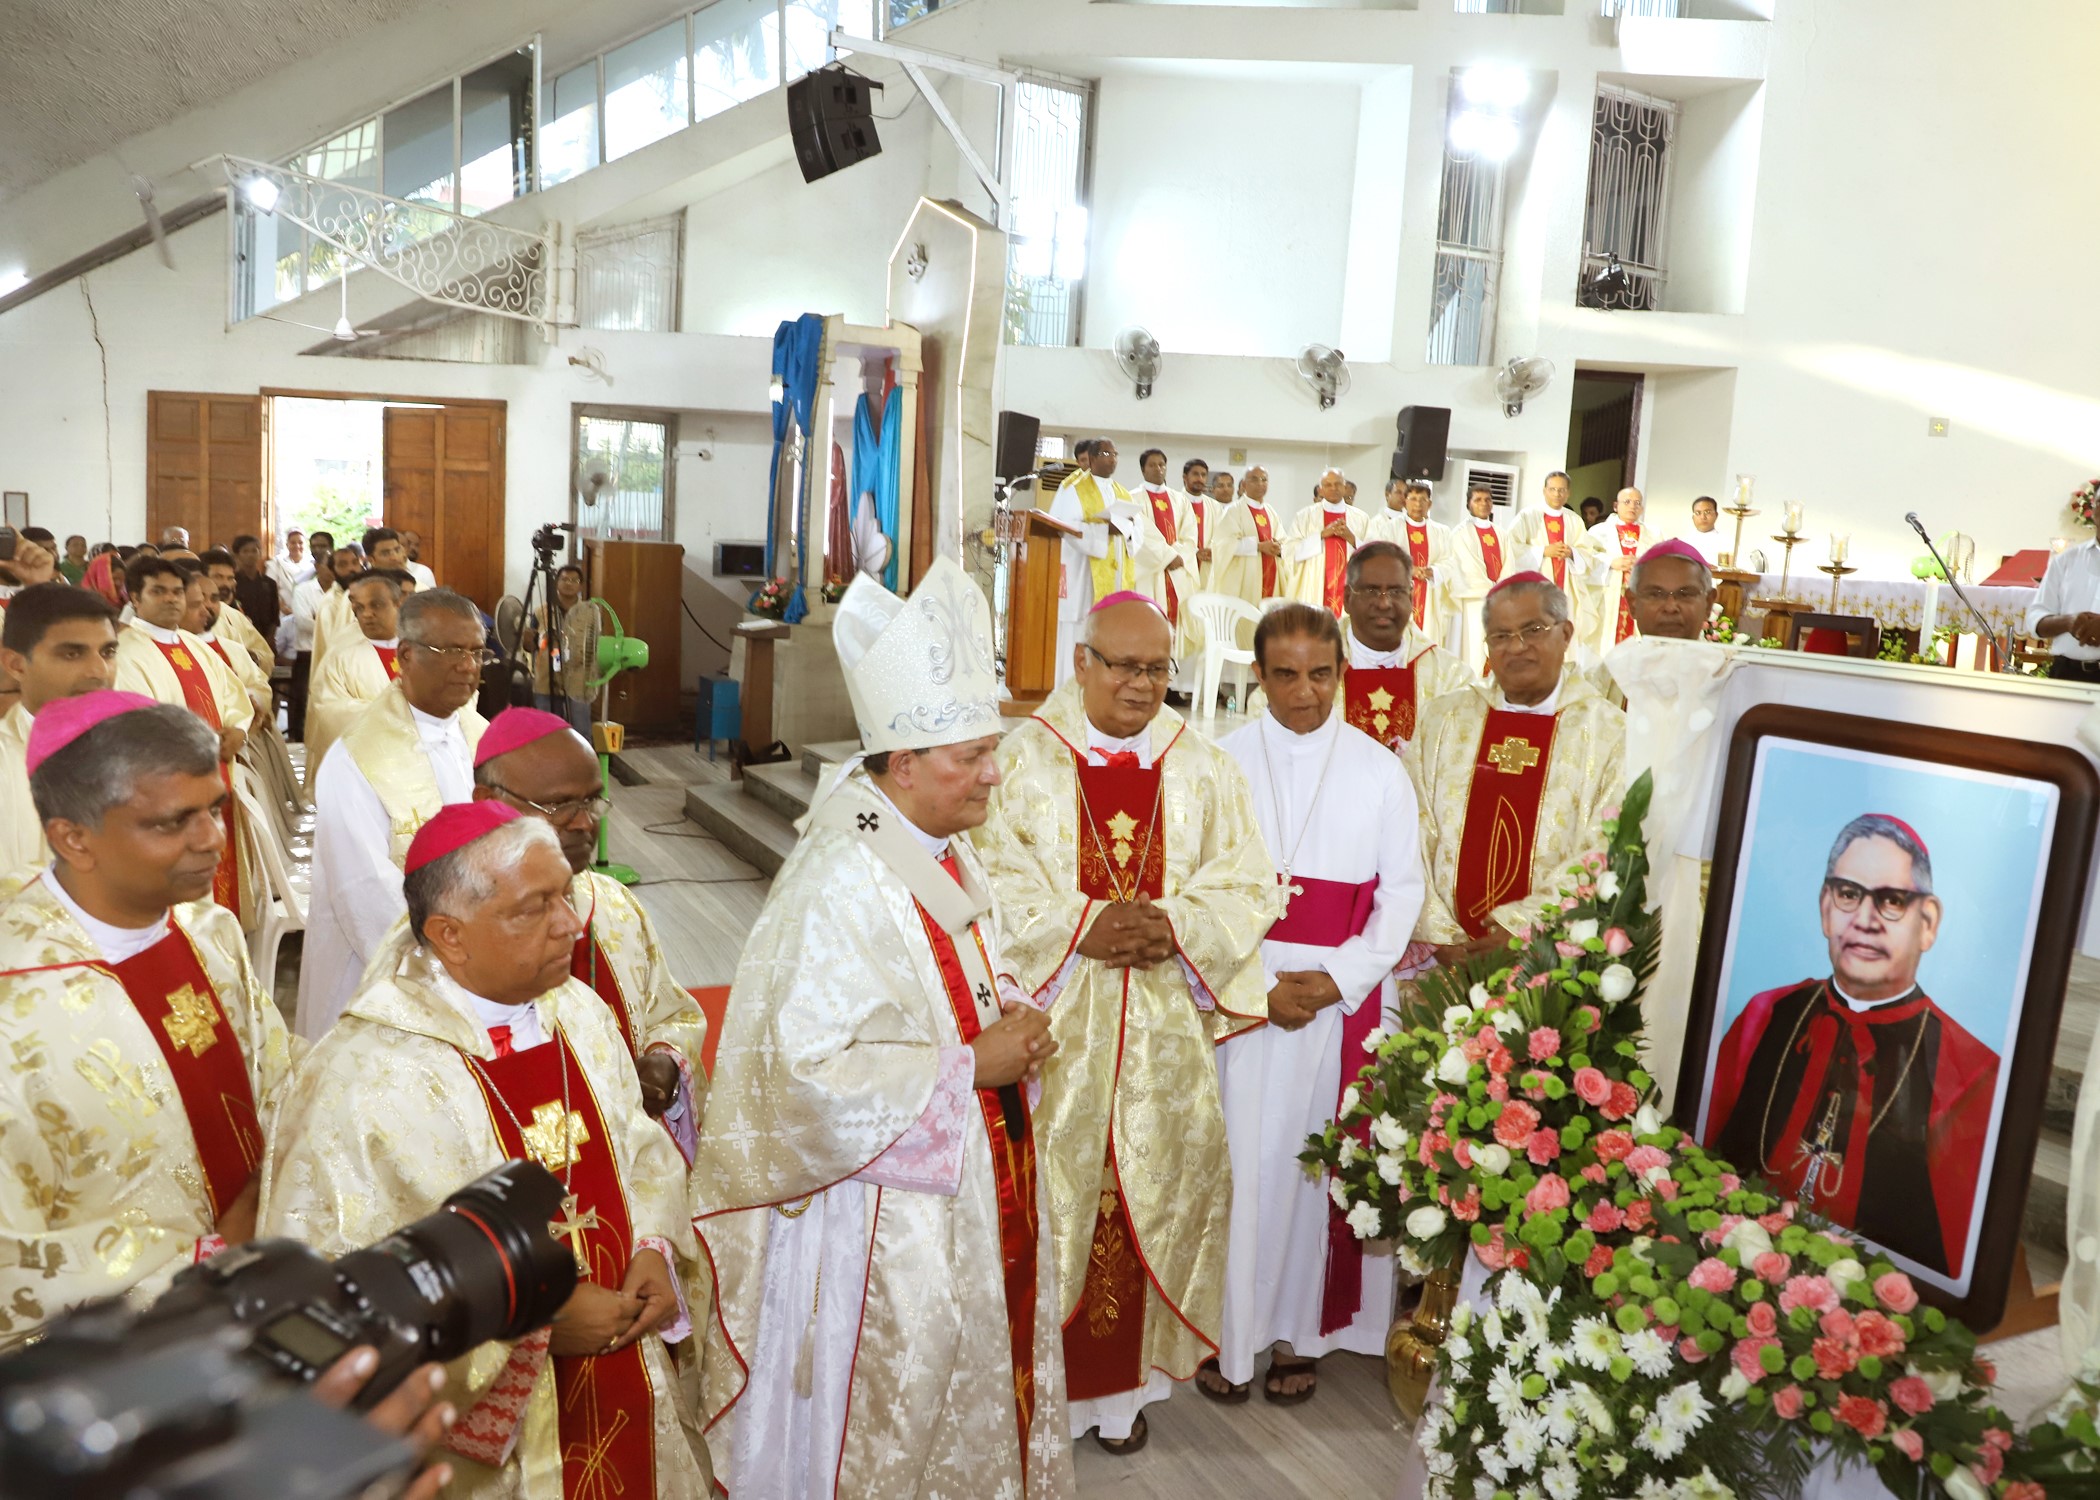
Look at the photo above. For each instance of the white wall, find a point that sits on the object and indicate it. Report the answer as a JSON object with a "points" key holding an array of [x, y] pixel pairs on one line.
{"points": [[1685, 425]]}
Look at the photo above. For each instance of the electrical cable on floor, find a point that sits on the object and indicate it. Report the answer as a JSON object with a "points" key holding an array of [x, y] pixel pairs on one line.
{"points": [[699, 880], [658, 830], [703, 629]]}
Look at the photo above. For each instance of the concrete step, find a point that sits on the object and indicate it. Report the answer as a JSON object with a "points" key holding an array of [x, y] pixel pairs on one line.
{"points": [[748, 828], [786, 788], [816, 757]]}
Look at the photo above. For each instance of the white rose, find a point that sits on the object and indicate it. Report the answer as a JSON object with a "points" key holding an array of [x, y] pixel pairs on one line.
{"points": [[1410, 1262], [1508, 1022], [1748, 1240], [1582, 931], [1647, 1120], [1845, 1272], [1363, 1221], [1457, 1016], [1391, 1134], [1426, 1222], [1377, 1038], [1608, 885], [1733, 1386], [1351, 1097], [1962, 1485], [1390, 1168], [1452, 1068], [1493, 1158], [1338, 1193], [1478, 995], [1615, 983], [1348, 1151], [1945, 1385]]}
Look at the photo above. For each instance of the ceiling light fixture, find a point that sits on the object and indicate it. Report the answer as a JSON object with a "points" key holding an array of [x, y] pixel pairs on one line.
{"points": [[1482, 133], [1494, 88], [13, 281]]}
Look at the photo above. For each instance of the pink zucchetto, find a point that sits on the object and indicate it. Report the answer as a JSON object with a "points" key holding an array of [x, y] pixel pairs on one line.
{"points": [[65, 720], [1125, 596], [515, 727], [1673, 548], [453, 827], [1529, 575]]}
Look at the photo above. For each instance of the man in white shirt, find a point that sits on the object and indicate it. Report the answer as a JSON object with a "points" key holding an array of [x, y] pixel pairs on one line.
{"points": [[409, 753], [308, 600], [413, 542], [2066, 613], [290, 567]]}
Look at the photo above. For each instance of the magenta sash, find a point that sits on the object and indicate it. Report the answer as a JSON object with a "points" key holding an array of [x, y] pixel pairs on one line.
{"points": [[1325, 913]]}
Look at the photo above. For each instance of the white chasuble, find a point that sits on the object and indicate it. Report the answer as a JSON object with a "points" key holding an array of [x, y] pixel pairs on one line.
{"points": [[1337, 807], [1317, 562], [340, 687]]}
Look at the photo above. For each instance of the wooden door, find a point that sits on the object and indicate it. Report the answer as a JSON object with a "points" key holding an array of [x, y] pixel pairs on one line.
{"points": [[642, 582], [444, 480], [204, 465]]}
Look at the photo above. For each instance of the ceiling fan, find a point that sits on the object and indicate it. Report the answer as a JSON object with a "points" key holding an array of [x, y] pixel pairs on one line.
{"points": [[343, 330]]}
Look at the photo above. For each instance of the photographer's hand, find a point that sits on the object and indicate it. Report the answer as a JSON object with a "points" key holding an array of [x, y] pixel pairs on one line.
{"points": [[649, 1280], [410, 1410], [595, 1319], [236, 1226]]}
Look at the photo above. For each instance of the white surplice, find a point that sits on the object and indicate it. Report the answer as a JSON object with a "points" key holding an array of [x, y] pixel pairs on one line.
{"points": [[356, 884], [1353, 823]]}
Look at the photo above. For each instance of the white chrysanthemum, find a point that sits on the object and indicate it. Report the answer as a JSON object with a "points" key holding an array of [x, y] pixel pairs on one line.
{"points": [[1491, 1329], [1562, 1482], [1523, 1441], [1339, 1193], [1658, 1439], [1462, 1317], [1391, 1168], [1492, 1463], [1552, 1360], [1615, 1464], [1389, 1132], [1650, 1353], [1352, 1097], [1505, 1393], [1703, 1486], [1364, 1220], [1685, 1409], [1595, 1343], [1348, 1151], [1558, 1412], [1376, 1038], [1652, 1489]]}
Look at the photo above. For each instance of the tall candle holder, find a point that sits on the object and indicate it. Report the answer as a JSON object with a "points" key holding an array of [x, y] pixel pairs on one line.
{"points": [[1837, 572], [1742, 512], [1789, 540]]}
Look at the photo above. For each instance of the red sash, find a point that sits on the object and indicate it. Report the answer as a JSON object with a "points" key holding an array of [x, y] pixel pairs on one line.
{"points": [[589, 963], [1629, 544], [198, 697], [1163, 519], [1122, 848], [1264, 531], [1557, 533], [605, 1406], [1418, 554], [1502, 814], [1334, 560], [1013, 1169], [173, 995], [389, 657], [1490, 552], [1381, 702]]}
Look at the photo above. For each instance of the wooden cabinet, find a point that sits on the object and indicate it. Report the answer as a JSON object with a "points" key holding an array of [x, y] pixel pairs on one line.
{"points": [[643, 582]]}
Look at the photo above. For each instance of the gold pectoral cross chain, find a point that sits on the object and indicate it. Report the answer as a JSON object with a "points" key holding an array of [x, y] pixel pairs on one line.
{"points": [[1822, 1164]]}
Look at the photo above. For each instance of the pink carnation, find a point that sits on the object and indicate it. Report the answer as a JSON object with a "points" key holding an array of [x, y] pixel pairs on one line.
{"points": [[1544, 1148], [1863, 1416], [1990, 1463], [1912, 1447], [1833, 1358], [1745, 1356], [1616, 942], [1713, 1275], [1838, 1324], [1911, 1395], [1594, 1172], [1895, 1292], [2024, 1489], [1787, 1401], [1605, 1218], [1689, 1351], [1568, 950], [1544, 1043], [1668, 1188], [1879, 1336], [1624, 1100], [1500, 1062], [1551, 1193], [1612, 1145], [1498, 1090], [1999, 1438], [1764, 1322], [1639, 1215], [1467, 1209], [1592, 1087], [1728, 1182], [1462, 1153], [1598, 1263], [1771, 1268], [1644, 1159], [1812, 1292], [1516, 1124]]}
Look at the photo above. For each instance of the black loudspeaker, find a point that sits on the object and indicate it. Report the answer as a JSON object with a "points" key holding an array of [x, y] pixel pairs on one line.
{"points": [[1423, 431], [830, 116], [1019, 435]]}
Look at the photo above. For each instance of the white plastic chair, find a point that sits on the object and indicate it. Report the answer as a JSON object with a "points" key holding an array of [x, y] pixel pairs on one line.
{"points": [[1222, 615], [280, 911]]}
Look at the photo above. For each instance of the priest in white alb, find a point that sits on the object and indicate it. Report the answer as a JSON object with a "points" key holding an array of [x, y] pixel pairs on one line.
{"points": [[1609, 551], [1338, 815], [1172, 549], [1135, 888], [346, 680], [1393, 669], [1545, 538], [409, 753], [1247, 561], [1319, 542], [1481, 553], [872, 1194], [1116, 544], [1431, 560]]}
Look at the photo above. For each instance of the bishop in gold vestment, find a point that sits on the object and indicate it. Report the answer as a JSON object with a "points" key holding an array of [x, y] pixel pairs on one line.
{"points": [[1136, 889]]}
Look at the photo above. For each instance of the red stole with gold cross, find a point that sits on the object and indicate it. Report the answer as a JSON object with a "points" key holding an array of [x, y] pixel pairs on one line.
{"points": [[1502, 814], [1556, 535], [1629, 545], [173, 995], [1013, 1170], [1265, 531], [1490, 551], [1418, 554], [1381, 702], [199, 699], [541, 1106], [1163, 519], [1122, 853], [390, 658]]}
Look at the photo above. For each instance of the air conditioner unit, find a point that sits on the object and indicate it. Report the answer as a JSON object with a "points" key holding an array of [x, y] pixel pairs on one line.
{"points": [[1501, 479]]}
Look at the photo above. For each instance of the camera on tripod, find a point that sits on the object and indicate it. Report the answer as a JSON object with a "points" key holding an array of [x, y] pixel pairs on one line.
{"points": [[198, 1395], [547, 540]]}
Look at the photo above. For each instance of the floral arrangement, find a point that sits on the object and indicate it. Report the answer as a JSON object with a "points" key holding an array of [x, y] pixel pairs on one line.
{"points": [[2085, 500], [1721, 627], [1657, 1325], [772, 597]]}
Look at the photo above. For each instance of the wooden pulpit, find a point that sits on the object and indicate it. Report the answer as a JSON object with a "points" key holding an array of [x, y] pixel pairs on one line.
{"points": [[1034, 577]]}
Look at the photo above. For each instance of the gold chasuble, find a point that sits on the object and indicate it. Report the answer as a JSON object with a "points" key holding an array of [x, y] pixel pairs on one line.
{"points": [[1116, 571], [131, 1105], [1130, 1130], [1509, 800], [871, 966], [405, 1099], [384, 743]]}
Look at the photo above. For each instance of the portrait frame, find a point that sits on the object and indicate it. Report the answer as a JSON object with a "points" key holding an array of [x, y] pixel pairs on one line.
{"points": [[2034, 1005], [14, 508]]}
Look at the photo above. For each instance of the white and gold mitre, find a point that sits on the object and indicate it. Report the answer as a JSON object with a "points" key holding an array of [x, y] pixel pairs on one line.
{"points": [[919, 670]]}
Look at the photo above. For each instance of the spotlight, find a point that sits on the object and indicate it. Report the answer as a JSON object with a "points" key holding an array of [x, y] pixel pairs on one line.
{"points": [[261, 194], [1494, 88], [13, 281], [1610, 281], [1476, 132]]}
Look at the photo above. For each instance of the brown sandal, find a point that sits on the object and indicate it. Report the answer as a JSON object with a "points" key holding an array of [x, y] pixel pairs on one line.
{"points": [[1279, 1371], [1225, 1392], [1140, 1434]]}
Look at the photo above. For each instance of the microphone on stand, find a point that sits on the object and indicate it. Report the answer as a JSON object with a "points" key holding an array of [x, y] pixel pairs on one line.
{"points": [[2004, 648]]}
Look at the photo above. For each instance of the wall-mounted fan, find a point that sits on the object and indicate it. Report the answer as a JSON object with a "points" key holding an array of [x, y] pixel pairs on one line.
{"points": [[1326, 371], [1521, 379], [595, 477], [1138, 356]]}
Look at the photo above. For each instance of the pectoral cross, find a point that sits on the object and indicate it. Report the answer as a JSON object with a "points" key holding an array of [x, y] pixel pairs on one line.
{"points": [[571, 1226], [1819, 1160], [1513, 757], [192, 1021], [555, 1137]]}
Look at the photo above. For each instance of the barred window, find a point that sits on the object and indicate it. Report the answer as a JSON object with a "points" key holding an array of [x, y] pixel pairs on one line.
{"points": [[1046, 248], [1629, 191]]}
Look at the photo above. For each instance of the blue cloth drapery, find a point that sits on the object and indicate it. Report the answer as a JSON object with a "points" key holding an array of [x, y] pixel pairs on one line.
{"points": [[797, 346], [877, 443]]}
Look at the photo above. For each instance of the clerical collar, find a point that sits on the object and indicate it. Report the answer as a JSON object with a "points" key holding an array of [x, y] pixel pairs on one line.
{"points": [[164, 636], [391, 643], [432, 723], [1546, 705], [1859, 1007], [1139, 744], [1290, 740], [1335, 505], [526, 1031], [1480, 525], [115, 944], [938, 848], [1368, 658]]}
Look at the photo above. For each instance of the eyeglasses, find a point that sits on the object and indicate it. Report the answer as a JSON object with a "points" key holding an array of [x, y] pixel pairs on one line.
{"points": [[1372, 593], [560, 812], [1530, 635], [1690, 597], [480, 656], [1157, 673], [1892, 903]]}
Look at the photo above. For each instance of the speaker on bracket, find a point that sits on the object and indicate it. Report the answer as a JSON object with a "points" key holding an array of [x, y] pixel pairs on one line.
{"points": [[1019, 437], [1423, 432], [831, 116]]}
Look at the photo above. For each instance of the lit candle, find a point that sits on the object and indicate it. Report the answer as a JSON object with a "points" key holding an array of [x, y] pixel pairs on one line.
{"points": [[2058, 543], [1742, 488], [1839, 541], [1793, 519]]}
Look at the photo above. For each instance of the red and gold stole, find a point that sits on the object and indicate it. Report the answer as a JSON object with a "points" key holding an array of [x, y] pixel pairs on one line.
{"points": [[1013, 1169], [1265, 531], [1381, 702], [197, 696], [1490, 551], [605, 1405], [1122, 851], [1418, 554], [1629, 545], [389, 657], [173, 995], [1502, 814], [1163, 519], [1200, 504], [1556, 534], [590, 964], [1334, 558], [220, 646]]}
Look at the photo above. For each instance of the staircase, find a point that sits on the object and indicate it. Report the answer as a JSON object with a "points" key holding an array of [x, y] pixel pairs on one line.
{"points": [[755, 817]]}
